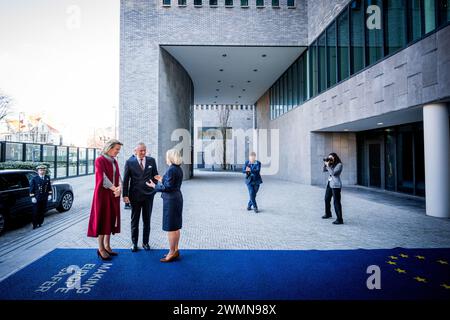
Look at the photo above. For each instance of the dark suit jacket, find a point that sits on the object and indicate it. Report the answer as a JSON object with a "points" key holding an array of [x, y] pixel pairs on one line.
{"points": [[134, 178], [171, 182], [40, 189], [254, 177]]}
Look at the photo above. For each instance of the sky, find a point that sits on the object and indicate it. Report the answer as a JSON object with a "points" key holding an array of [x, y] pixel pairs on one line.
{"points": [[60, 58]]}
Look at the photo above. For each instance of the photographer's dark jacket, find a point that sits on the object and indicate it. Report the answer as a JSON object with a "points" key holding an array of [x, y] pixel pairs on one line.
{"points": [[334, 177], [253, 177]]}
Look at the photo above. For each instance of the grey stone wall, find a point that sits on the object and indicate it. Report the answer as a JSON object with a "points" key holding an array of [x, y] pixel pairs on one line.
{"points": [[146, 25], [176, 99], [415, 76]]}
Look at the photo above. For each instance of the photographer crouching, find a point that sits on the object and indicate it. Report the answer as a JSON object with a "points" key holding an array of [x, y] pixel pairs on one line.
{"points": [[333, 165]]}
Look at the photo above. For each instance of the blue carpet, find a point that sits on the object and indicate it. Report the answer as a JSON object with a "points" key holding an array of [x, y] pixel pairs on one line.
{"points": [[235, 275]]}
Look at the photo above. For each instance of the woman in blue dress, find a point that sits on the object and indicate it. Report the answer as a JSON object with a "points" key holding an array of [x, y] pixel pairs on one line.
{"points": [[169, 186]]}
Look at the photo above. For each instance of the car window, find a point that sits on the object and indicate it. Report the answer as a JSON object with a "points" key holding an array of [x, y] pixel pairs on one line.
{"points": [[30, 176], [12, 181]]}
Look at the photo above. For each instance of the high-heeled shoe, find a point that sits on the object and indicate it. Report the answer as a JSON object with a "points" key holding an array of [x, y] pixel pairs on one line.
{"points": [[174, 256], [112, 253], [102, 257]]}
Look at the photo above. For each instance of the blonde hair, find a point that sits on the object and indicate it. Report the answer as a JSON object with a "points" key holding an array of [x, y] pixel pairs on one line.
{"points": [[174, 156], [111, 144]]}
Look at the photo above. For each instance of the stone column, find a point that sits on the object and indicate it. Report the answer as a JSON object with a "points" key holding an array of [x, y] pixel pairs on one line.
{"points": [[437, 165]]}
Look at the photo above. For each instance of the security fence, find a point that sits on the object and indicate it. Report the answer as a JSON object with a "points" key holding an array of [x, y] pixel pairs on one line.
{"points": [[64, 161]]}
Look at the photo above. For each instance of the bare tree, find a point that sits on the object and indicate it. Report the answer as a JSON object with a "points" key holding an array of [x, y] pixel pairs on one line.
{"points": [[224, 118], [5, 103]]}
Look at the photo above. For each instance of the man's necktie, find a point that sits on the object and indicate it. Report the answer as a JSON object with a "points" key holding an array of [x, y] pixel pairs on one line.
{"points": [[141, 164]]}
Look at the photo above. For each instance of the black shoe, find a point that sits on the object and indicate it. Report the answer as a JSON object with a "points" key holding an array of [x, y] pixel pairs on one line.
{"points": [[146, 247], [40, 225], [102, 257], [326, 217], [134, 248], [249, 208], [34, 227], [256, 210], [338, 222]]}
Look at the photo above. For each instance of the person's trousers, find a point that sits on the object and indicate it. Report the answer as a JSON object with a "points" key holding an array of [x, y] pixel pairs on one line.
{"points": [[334, 193], [252, 191], [144, 206], [39, 210]]}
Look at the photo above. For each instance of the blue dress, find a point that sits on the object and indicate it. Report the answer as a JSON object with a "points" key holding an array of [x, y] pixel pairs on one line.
{"points": [[172, 198]]}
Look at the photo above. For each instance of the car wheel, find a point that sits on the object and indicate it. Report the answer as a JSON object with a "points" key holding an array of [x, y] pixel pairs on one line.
{"points": [[2, 223], [66, 202]]}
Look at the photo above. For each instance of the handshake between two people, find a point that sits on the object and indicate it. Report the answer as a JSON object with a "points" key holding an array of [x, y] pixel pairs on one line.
{"points": [[150, 183]]}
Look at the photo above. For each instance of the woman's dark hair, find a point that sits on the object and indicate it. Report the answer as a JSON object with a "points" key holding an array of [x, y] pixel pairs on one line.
{"points": [[336, 158]]}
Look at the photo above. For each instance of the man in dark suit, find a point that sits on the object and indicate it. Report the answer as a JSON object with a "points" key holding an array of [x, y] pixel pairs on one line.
{"points": [[253, 180], [139, 170], [40, 193]]}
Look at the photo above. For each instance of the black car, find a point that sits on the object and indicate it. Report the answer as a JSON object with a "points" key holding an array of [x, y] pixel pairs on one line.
{"points": [[15, 198]]}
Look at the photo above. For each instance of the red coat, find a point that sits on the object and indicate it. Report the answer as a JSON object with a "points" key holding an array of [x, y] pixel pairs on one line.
{"points": [[105, 211]]}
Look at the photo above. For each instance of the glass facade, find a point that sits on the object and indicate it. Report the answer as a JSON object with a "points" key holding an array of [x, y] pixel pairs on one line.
{"points": [[331, 55], [357, 35], [364, 32], [392, 159], [343, 45]]}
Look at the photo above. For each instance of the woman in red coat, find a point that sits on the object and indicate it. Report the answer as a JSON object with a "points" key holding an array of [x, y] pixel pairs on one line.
{"points": [[105, 211]]}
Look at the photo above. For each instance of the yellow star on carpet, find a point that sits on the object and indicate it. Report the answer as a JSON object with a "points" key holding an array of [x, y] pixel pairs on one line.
{"points": [[392, 263], [419, 279], [442, 262], [393, 257], [400, 270], [420, 257], [445, 286], [403, 255]]}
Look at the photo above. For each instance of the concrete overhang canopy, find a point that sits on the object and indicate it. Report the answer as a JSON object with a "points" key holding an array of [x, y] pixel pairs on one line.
{"points": [[233, 74]]}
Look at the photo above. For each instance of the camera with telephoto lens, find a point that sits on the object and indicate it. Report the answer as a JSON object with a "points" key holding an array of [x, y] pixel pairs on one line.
{"points": [[329, 160]]}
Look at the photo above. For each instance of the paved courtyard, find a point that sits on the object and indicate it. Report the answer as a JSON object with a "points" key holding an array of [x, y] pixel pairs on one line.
{"points": [[215, 217]]}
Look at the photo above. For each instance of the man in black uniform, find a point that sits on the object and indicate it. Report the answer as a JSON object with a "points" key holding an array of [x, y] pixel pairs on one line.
{"points": [[40, 193]]}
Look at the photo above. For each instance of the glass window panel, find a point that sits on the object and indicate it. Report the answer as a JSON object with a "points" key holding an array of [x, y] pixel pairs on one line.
{"points": [[285, 92], [260, 3], [331, 55], [313, 69], [414, 20], [228, 3], [166, 2], [394, 25], [61, 162], [444, 12], [295, 98], [374, 37], [213, 2], [197, 2], [275, 3], [343, 45], [83, 161], [429, 8], [244, 3], [289, 86], [291, 3], [91, 160], [73, 161], [321, 47], [14, 151], [181, 2], [357, 35], [49, 157], [33, 152]]}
